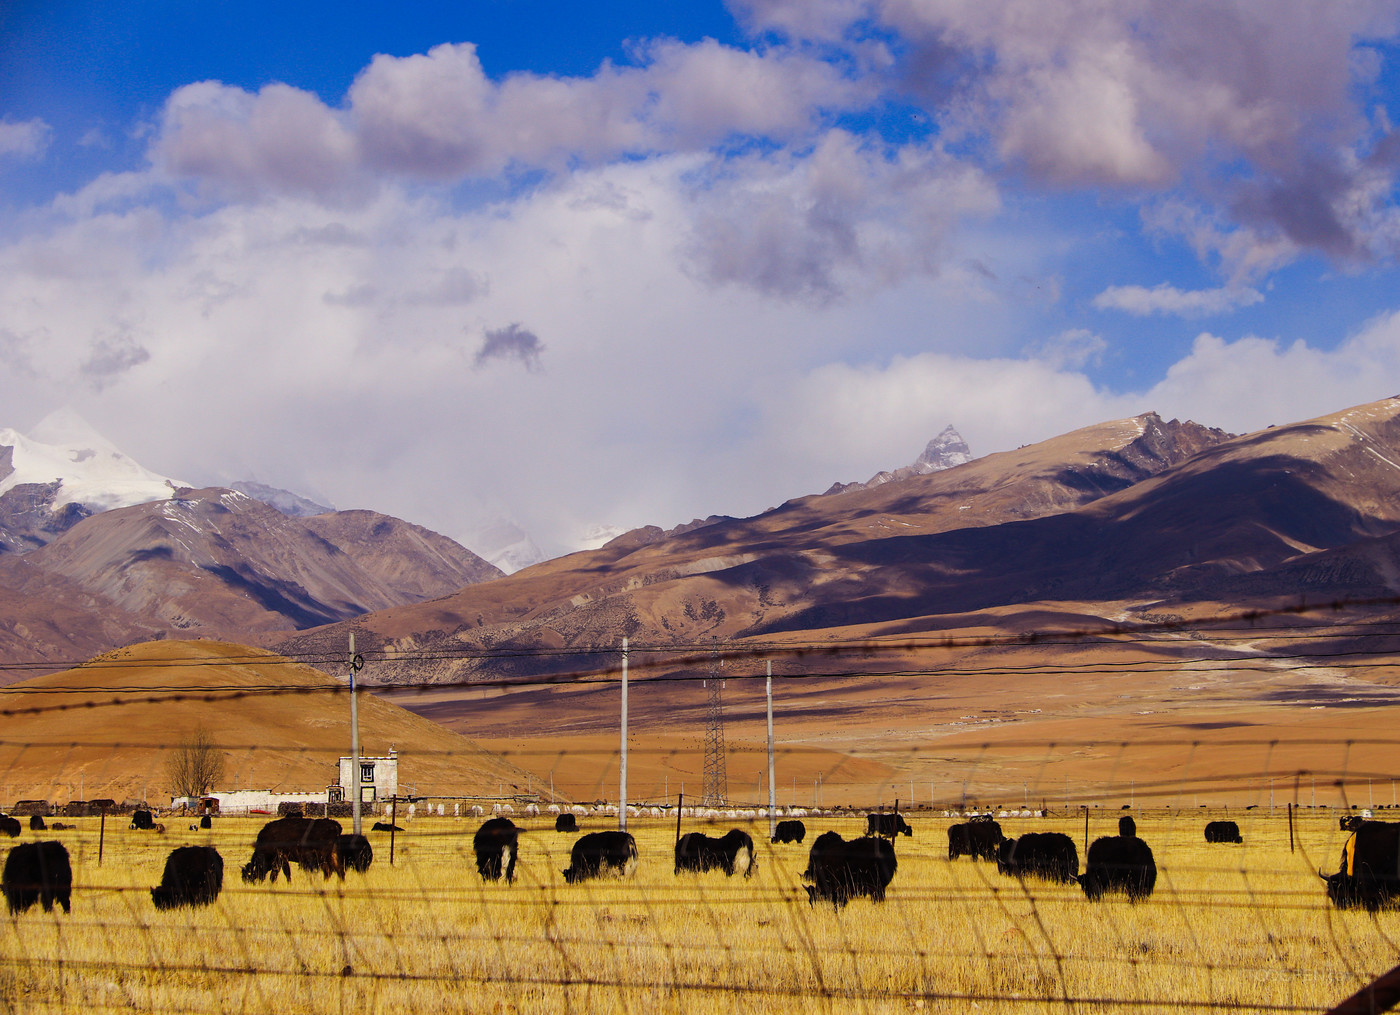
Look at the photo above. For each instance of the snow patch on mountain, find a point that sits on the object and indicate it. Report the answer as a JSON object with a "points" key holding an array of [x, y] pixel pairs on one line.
{"points": [[946, 451], [88, 469]]}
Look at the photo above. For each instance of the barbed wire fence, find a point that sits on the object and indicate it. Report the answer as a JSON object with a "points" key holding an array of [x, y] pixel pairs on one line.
{"points": [[1228, 927]]}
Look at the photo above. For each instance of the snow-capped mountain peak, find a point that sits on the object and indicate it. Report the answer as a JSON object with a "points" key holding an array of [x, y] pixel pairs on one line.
{"points": [[943, 452], [89, 470]]}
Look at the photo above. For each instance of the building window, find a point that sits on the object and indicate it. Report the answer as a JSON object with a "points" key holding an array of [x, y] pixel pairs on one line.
{"points": [[367, 772]]}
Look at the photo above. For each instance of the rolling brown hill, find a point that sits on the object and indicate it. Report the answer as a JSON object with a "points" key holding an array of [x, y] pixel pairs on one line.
{"points": [[106, 728]]}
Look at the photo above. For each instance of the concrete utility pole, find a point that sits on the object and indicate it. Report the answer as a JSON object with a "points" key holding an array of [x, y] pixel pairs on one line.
{"points": [[356, 662], [772, 785], [622, 768]]}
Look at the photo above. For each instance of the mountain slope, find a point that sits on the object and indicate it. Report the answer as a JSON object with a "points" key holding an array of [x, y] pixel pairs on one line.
{"points": [[218, 561], [797, 566]]}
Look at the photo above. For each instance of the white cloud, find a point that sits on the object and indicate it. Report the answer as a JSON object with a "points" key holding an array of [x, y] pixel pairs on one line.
{"points": [[842, 217], [280, 139], [24, 139], [1167, 299], [1072, 348], [1256, 110], [437, 116]]}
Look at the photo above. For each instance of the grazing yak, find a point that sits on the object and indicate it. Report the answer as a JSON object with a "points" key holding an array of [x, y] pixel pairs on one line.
{"points": [[790, 831], [1223, 831], [205, 821], [194, 876], [1350, 822], [37, 872], [1050, 856], [36, 823], [566, 822], [599, 853], [9, 826], [732, 852], [1119, 863], [887, 825], [356, 852], [142, 820], [311, 843], [841, 870], [977, 839], [385, 826], [1369, 875], [495, 845]]}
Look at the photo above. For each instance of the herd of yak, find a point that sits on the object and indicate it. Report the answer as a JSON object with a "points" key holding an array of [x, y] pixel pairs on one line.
{"points": [[838, 870]]}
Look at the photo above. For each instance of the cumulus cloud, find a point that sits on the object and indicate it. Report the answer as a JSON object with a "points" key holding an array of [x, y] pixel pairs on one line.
{"points": [[438, 116], [1167, 299], [24, 139], [1072, 348], [846, 215], [512, 342], [1252, 107], [278, 139]]}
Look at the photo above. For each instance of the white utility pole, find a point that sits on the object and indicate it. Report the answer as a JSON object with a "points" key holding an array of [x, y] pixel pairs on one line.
{"points": [[622, 768], [355, 663], [772, 785]]}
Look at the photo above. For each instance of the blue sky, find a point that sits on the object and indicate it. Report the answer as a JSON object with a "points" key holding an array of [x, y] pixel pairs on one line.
{"points": [[564, 266]]}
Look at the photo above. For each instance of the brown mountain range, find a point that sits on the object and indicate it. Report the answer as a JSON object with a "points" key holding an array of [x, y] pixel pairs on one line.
{"points": [[215, 563]]}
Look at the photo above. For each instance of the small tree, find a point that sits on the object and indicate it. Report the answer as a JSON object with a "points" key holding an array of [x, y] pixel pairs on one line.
{"points": [[196, 765]]}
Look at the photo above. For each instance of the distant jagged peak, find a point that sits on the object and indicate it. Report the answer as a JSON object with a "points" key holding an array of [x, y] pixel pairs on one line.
{"points": [[945, 451]]}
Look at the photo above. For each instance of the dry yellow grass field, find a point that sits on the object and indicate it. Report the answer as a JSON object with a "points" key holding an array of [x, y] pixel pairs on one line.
{"points": [[1229, 927]]}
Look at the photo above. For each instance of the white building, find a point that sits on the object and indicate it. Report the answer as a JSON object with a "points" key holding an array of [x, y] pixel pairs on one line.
{"points": [[377, 779]]}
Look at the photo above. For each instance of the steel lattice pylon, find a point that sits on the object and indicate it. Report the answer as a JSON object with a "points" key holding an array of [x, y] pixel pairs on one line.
{"points": [[716, 777]]}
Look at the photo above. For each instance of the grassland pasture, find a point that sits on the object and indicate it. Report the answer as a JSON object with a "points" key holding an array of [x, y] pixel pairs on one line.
{"points": [[1229, 925]]}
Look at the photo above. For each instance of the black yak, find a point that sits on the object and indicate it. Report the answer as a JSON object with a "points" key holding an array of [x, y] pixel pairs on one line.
{"points": [[977, 839], [142, 820], [731, 852], [599, 853], [36, 823], [356, 852], [888, 825], [311, 843], [1223, 831], [194, 876], [1369, 875], [841, 870], [1051, 856], [1119, 863], [10, 826], [565, 823], [37, 872], [495, 845], [790, 831]]}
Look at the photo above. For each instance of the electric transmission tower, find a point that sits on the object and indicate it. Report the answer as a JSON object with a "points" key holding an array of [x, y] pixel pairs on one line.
{"points": [[716, 778]]}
